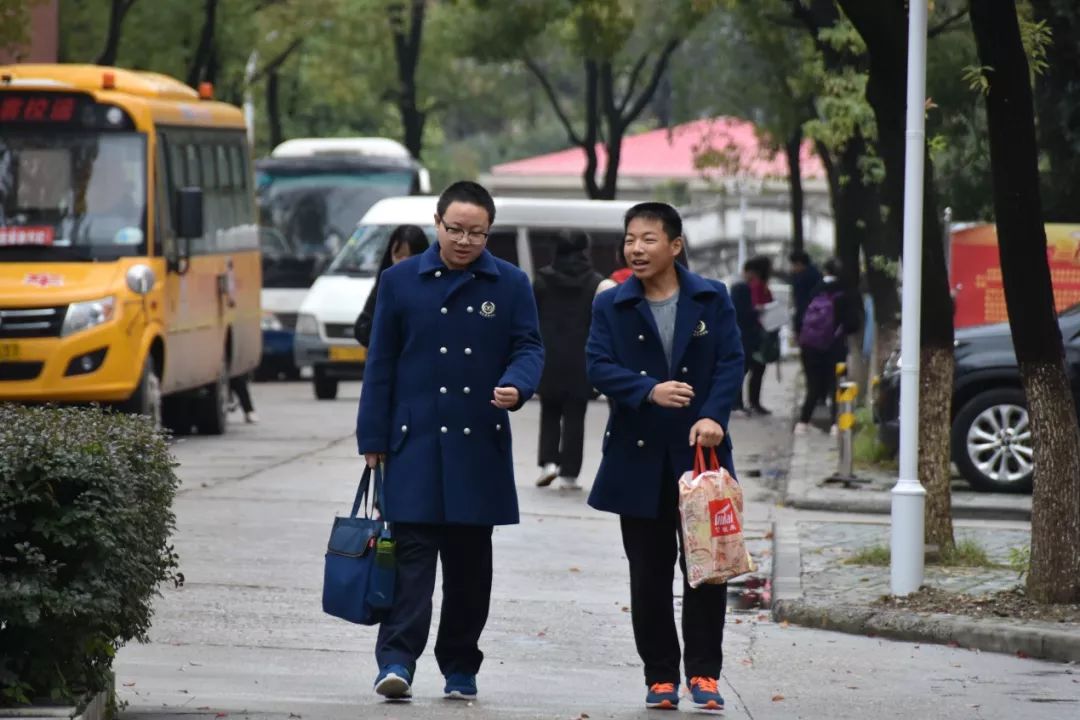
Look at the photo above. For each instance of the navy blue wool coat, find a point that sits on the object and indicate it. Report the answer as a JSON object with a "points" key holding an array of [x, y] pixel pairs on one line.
{"points": [[626, 360], [441, 342]]}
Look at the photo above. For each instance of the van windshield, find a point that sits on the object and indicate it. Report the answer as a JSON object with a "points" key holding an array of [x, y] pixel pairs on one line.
{"points": [[71, 195], [362, 254]]}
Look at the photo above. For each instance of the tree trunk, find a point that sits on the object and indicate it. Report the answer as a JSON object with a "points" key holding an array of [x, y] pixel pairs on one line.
{"points": [[203, 53], [273, 108], [1025, 271], [117, 13], [793, 149], [407, 46], [886, 91], [1057, 99]]}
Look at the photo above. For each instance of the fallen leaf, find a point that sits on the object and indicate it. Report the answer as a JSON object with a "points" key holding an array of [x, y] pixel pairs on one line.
{"points": [[777, 698], [738, 621], [785, 624], [625, 609], [769, 535], [575, 569], [222, 714], [541, 634], [747, 661], [1022, 655], [953, 644], [129, 684]]}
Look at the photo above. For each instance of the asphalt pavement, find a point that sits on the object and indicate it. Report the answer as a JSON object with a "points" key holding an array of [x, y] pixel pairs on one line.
{"points": [[245, 637]]}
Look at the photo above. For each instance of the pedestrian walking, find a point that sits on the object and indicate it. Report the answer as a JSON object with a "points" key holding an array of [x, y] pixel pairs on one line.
{"points": [[664, 346], [750, 298], [564, 294], [805, 278], [454, 347], [241, 392], [404, 242], [832, 315]]}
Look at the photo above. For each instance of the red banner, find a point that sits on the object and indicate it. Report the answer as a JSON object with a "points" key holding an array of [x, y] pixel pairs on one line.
{"points": [[29, 235], [975, 276]]}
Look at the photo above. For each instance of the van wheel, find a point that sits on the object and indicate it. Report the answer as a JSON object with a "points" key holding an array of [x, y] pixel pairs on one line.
{"points": [[212, 406], [325, 387], [146, 400]]}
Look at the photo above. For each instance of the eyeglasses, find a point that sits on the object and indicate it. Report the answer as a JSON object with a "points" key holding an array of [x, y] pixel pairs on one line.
{"points": [[457, 234]]}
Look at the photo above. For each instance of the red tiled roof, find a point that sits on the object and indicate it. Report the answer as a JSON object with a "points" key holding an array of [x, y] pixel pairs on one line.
{"points": [[678, 153]]}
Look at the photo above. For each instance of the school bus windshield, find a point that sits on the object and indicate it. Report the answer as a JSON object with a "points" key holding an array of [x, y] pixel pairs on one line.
{"points": [[72, 195]]}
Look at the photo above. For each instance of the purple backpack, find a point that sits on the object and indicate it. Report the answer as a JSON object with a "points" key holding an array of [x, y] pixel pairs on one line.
{"points": [[819, 326]]}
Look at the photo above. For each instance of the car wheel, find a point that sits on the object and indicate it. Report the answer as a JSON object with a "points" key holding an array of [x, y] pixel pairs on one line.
{"points": [[992, 441], [146, 400], [325, 387]]}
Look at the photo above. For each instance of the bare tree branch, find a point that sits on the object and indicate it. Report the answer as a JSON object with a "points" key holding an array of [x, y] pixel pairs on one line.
{"points": [[631, 84], [947, 24], [117, 13], [545, 83], [277, 61], [650, 88]]}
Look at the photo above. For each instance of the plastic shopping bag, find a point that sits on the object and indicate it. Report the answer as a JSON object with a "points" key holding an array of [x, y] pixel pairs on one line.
{"points": [[711, 507]]}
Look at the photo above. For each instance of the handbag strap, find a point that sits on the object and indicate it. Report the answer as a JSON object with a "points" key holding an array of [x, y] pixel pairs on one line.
{"points": [[362, 492], [699, 460]]}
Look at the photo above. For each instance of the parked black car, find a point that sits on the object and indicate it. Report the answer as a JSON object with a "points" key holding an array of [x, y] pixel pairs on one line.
{"points": [[991, 433]]}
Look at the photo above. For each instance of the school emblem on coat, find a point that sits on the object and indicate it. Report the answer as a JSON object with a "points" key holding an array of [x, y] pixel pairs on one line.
{"points": [[487, 309], [701, 330]]}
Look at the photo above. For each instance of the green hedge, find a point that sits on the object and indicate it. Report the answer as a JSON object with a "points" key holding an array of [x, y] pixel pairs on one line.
{"points": [[85, 519]]}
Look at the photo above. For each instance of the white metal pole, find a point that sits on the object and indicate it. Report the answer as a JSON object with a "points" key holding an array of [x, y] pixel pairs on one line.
{"points": [[909, 496], [249, 100]]}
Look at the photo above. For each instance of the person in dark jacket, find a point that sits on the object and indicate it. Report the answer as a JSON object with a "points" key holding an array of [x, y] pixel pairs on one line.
{"points": [[455, 347], [405, 241], [564, 294], [804, 281], [832, 314], [749, 298]]}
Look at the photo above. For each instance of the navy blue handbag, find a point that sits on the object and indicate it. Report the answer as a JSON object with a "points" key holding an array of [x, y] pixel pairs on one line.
{"points": [[358, 580]]}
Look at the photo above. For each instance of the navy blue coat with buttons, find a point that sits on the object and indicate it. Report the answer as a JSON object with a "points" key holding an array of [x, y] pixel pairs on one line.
{"points": [[626, 360], [441, 342]]}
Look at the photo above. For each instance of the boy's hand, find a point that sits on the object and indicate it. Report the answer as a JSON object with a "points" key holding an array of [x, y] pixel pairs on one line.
{"points": [[707, 433], [505, 398], [374, 459], [672, 394]]}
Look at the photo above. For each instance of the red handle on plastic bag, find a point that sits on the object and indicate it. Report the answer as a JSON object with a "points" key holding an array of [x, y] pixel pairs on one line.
{"points": [[699, 460]]}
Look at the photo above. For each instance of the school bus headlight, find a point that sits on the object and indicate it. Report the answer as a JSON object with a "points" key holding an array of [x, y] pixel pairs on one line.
{"points": [[307, 325], [84, 315]]}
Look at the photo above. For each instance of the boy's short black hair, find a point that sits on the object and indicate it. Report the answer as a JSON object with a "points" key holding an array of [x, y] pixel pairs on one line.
{"points": [[799, 257], [667, 215], [470, 193]]}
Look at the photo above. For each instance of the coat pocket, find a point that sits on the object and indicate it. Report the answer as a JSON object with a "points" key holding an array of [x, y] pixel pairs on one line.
{"points": [[401, 429]]}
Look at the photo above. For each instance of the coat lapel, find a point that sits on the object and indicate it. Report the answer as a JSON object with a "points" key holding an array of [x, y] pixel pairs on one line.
{"points": [[687, 317]]}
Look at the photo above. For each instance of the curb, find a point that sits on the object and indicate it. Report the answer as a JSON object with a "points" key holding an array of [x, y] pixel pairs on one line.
{"points": [[938, 629], [883, 506], [790, 605]]}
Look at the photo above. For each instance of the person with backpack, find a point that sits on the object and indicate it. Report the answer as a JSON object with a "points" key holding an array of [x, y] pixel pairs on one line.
{"points": [[832, 315]]}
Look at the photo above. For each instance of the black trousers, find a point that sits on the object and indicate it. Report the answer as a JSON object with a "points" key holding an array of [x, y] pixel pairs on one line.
{"points": [[239, 387], [820, 370], [465, 551], [652, 548], [562, 433], [756, 371]]}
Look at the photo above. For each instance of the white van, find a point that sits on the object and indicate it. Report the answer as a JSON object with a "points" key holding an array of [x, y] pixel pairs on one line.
{"points": [[524, 233]]}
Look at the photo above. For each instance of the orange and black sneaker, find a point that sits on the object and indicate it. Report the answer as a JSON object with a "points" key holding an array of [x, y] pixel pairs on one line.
{"points": [[705, 694], [663, 696]]}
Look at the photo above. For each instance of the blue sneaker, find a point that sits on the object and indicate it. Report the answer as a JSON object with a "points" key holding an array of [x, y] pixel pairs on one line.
{"points": [[394, 683], [460, 686], [663, 696], [705, 694]]}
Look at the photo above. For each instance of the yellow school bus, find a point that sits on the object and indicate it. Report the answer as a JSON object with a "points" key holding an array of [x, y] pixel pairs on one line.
{"points": [[129, 256]]}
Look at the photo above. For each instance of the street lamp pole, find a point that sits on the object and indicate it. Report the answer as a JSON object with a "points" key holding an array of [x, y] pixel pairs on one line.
{"points": [[908, 495]]}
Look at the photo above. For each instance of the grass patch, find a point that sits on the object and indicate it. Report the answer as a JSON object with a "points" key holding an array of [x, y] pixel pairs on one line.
{"points": [[877, 555], [868, 450], [966, 553]]}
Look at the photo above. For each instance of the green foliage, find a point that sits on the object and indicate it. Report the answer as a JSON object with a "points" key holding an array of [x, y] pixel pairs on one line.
{"points": [[867, 448], [85, 520], [876, 556], [966, 553], [1020, 560], [15, 24]]}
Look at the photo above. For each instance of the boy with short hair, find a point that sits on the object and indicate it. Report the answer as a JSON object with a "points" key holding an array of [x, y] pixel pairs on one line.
{"points": [[664, 346]]}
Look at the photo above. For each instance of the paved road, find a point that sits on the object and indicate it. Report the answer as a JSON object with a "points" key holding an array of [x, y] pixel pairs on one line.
{"points": [[245, 636]]}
